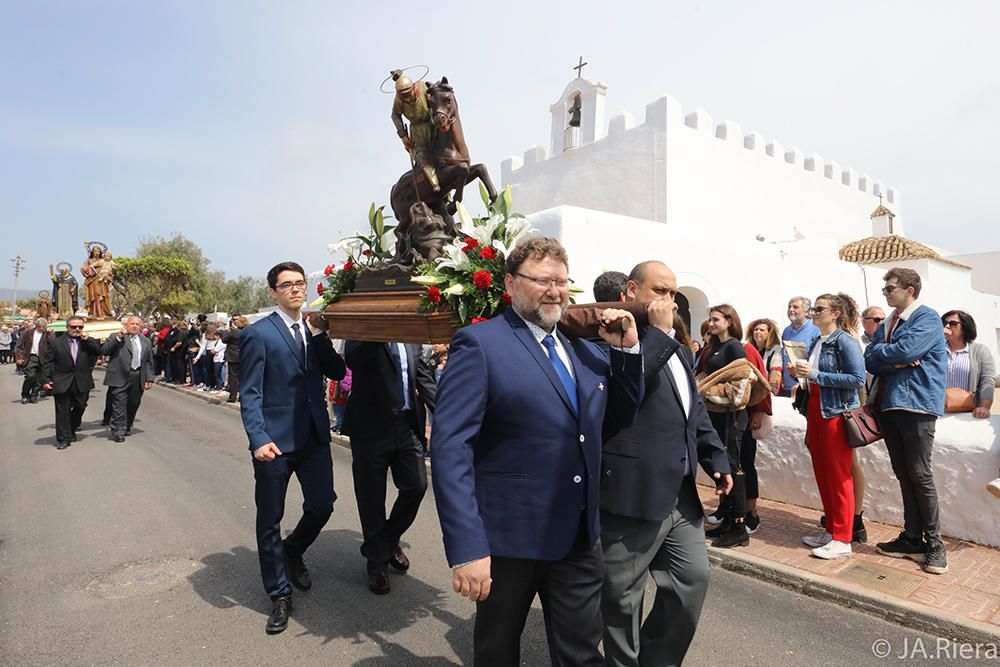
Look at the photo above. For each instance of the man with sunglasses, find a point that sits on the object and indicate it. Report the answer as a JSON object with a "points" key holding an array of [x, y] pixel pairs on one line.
{"points": [[67, 373], [283, 359], [909, 357], [871, 317]]}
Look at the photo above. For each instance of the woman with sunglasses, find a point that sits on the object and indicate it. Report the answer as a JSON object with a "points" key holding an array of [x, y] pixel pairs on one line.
{"points": [[970, 365], [835, 370]]}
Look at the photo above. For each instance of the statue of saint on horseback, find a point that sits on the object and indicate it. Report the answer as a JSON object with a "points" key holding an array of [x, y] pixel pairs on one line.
{"points": [[439, 158]]}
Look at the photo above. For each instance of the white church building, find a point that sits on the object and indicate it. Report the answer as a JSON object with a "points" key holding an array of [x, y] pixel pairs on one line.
{"points": [[750, 222]]}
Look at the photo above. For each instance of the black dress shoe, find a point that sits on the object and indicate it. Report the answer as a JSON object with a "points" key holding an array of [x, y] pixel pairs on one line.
{"points": [[23, 400], [62, 445], [399, 560], [118, 438], [737, 537], [105, 422], [378, 583], [297, 572], [278, 620], [128, 430]]}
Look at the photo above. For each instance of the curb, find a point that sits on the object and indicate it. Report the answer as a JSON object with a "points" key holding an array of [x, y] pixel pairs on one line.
{"points": [[895, 610]]}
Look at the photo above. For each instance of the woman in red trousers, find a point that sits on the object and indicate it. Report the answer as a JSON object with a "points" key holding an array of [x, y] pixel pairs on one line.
{"points": [[835, 371]]}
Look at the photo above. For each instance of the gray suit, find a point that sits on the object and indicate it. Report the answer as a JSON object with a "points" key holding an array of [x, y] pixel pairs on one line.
{"points": [[125, 383]]}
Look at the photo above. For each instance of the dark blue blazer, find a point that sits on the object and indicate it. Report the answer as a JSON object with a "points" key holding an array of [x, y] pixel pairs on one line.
{"points": [[644, 463], [514, 465], [281, 399]]}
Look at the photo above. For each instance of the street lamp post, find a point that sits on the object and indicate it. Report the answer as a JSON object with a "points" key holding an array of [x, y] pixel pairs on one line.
{"points": [[19, 263]]}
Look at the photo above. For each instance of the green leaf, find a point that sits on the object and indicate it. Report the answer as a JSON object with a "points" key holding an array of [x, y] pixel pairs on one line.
{"points": [[379, 223], [507, 201], [462, 311], [484, 194], [371, 215]]}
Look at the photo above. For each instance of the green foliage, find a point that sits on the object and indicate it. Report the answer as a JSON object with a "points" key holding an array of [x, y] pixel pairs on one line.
{"points": [[149, 285]]}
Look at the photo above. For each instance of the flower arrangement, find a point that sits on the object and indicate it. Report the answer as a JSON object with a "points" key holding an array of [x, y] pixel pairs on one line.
{"points": [[469, 277], [362, 252]]}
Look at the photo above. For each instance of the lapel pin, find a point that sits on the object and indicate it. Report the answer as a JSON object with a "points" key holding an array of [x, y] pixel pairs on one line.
{"points": [[600, 386]]}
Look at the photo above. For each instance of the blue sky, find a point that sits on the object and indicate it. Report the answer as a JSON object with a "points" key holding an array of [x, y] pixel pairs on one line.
{"points": [[257, 129]]}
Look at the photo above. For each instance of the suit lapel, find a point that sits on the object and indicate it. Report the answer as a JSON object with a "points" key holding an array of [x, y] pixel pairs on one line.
{"points": [[665, 369], [523, 334], [286, 335]]}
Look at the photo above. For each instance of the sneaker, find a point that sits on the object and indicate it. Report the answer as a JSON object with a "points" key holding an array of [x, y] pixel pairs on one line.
{"points": [[904, 547], [994, 487], [714, 518], [752, 523], [832, 550], [936, 560], [859, 533], [817, 540]]}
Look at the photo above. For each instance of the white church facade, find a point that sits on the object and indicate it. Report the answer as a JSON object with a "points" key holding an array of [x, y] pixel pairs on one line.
{"points": [[747, 221]]}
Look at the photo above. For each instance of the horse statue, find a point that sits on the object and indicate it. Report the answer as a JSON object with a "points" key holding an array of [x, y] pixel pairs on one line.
{"points": [[450, 157]]}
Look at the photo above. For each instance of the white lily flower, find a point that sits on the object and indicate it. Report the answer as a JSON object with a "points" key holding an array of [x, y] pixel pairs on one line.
{"points": [[517, 228], [454, 257], [388, 241], [463, 216], [455, 290], [427, 280], [343, 245], [316, 302], [501, 248]]}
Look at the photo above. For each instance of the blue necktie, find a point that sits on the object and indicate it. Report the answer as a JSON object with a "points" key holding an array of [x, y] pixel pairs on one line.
{"points": [[297, 334], [550, 344]]}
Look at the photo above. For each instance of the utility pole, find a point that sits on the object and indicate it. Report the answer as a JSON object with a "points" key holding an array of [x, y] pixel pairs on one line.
{"points": [[18, 263]]}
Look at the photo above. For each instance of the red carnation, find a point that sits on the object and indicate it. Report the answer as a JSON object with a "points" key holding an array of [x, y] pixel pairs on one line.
{"points": [[505, 298], [433, 294], [329, 269], [366, 251], [487, 253], [482, 279], [319, 289], [477, 320], [348, 266], [470, 243]]}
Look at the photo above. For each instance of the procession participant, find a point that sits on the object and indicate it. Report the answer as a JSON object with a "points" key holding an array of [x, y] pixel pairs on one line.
{"points": [[516, 449], [610, 286], [284, 414], [28, 356], [129, 373], [68, 374], [386, 423], [651, 516]]}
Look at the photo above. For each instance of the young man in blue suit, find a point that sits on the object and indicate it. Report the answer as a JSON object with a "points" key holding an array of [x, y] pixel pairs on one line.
{"points": [[284, 359], [516, 454]]}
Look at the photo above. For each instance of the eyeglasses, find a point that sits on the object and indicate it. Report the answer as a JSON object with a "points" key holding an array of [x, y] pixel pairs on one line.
{"points": [[876, 320], [297, 285], [546, 282], [816, 310], [75, 326], [889, 289], [953, 323]]}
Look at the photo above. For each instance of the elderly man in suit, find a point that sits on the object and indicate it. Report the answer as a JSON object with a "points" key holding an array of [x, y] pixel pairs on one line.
{"points": [[29, 355], [129, 374], [386, 422], [651, 516], [516, 450], [285, 417], [68, 373]]}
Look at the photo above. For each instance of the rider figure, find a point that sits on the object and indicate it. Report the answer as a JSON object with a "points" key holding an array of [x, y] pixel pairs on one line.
{"points": [[411, 102]]}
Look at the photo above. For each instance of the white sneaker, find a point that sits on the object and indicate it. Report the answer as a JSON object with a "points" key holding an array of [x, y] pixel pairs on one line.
{"points": [[833, 550], [817, 540], [715, 518]]}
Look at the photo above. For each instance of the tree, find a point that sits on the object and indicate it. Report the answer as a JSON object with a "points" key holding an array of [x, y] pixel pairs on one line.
{"points": [[246, 294], [150, 285]]}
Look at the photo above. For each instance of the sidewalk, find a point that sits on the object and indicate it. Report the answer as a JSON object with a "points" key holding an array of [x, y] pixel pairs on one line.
{"points": [[963, 604]]}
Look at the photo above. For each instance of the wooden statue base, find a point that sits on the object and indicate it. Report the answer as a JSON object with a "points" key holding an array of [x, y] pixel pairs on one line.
{"points": [[384, 316]]}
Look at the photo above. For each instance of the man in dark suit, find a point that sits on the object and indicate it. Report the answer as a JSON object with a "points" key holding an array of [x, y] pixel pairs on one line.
{"points": [[651, 516], [68, 373], [386, 423], [29, 354], [516, 450], [285, 417], [129, 373]]}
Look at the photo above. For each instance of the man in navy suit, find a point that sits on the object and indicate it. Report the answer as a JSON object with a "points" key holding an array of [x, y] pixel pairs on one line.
{"points": [[516, 449], [285, 417], [651, 516]]}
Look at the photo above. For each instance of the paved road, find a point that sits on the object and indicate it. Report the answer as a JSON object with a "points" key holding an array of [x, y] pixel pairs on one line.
{"points": [[143, 553]]}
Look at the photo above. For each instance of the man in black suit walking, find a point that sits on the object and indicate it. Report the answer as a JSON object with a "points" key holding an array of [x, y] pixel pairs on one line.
{"points": [[68, 374], [387, 426], [651, 517], [129, 374]]}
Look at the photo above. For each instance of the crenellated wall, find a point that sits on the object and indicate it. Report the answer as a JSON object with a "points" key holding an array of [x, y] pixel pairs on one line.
{"points": [[684, 169]]}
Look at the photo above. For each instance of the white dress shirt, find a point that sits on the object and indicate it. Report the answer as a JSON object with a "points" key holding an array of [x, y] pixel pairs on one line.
{"points": [[36, 341], [306, 333]]}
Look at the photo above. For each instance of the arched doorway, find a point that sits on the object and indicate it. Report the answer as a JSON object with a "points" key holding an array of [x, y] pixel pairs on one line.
{"points": [[692, 306]]}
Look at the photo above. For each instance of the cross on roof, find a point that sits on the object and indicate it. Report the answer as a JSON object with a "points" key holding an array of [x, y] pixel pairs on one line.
{"points": [[579, 68]]}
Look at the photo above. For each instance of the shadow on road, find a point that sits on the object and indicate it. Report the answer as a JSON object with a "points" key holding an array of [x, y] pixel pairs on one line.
{"points": [[340, 606]]}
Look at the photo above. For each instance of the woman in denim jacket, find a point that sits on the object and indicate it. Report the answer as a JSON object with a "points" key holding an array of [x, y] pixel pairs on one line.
{"points": [[835, 370]]}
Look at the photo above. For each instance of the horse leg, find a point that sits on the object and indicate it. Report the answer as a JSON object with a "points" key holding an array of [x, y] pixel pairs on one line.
{"points": [[482, 173]]}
